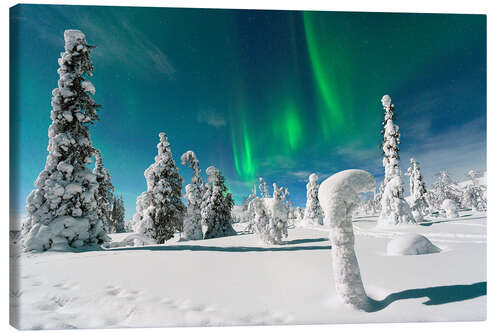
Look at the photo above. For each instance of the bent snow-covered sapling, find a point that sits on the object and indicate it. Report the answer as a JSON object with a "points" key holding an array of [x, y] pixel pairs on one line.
{"points": [[338, 196]]}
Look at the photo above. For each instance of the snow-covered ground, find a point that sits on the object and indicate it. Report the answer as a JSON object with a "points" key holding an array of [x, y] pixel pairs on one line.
{"points": [[239, 281]]}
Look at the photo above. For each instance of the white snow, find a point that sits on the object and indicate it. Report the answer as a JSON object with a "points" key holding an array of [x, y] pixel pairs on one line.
{"points": [[238, 281], [450, 207], [411, 244]]}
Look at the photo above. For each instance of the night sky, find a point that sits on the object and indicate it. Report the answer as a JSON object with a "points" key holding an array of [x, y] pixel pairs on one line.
{"points": [[277, 94]]}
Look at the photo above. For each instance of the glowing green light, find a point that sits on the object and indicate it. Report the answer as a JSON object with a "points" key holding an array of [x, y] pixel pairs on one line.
{"points": [[243, 159], [321, 56]]}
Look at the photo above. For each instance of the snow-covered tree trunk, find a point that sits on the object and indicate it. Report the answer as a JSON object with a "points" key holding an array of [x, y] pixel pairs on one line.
{"points": [[160, 210], [313, 214], [194, 196], [394, 209], [62, 210], [338, 196]]}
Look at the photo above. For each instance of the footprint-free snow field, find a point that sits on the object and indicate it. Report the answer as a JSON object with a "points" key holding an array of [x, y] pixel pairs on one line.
{"points": [[238, 281]]}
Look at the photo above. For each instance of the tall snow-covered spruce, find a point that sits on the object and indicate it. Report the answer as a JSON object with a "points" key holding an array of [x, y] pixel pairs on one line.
{"points": [[160, 210], [395, 210], [217, 205], [62, 211], [313, 214], [104, 194], [194, 196], [339, 196]]}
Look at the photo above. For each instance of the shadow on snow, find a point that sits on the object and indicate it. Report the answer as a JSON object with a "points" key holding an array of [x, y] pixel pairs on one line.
{"points": [[436, 295], [233, 248]]}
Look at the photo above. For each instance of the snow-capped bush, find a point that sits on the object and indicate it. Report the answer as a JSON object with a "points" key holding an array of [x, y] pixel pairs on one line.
{"points": [[217, 206], [450, 207], [338, 196], [270, 218], [62, 209], [104, 194], [411, 244], [313, 214], [394, 209], [160, 211], [194, 196]]}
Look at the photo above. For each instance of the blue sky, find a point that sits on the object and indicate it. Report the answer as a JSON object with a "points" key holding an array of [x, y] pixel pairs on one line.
{"points": [[278, 94]]}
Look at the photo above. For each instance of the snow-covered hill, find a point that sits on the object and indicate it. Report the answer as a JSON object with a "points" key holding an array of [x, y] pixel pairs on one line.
{"points": [[238, 281]]}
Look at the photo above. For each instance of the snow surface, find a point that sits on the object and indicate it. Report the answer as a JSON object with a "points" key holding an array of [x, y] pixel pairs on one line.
{"points": [[237, 281]]}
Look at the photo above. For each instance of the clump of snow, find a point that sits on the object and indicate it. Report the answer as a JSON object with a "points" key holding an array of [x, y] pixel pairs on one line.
{"points": [[411, 244], [270, 218], [386, 101], [339, 196], [450, 207]]}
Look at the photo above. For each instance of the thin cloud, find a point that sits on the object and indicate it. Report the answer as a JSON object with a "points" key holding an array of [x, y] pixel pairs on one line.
{"points": [[211, 118]]}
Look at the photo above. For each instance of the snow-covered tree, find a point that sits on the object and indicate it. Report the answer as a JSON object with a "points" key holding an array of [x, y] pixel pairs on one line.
{"points": [[339, 195], [313, 214], [104, 194], [264, 193], [62, 210], [270, 218], [418, 202], [450, 208], [250, 197], [118, 214], [394, 209], [217, 206], [444, 187], [194, 196], [474, 194], [160, 210]]}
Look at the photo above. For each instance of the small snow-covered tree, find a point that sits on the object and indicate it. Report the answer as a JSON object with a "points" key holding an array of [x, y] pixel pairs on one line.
{"points": [[104, 194], [264, 193], [270, 219], [160, 210], [474, 194], [339, 196], [394, 209], [62, 210], [217, 206], [450, 208], [444, 187], [118, 214], [250, 197], [418, 202], [313, 214], [194, 196]]}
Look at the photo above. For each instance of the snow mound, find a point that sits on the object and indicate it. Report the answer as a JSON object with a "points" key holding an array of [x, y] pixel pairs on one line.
{"points": [[411, 244], [450, 207]]}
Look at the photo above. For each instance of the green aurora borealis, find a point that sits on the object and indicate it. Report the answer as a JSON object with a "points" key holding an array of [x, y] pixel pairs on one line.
{"points": [[294, 92]]}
